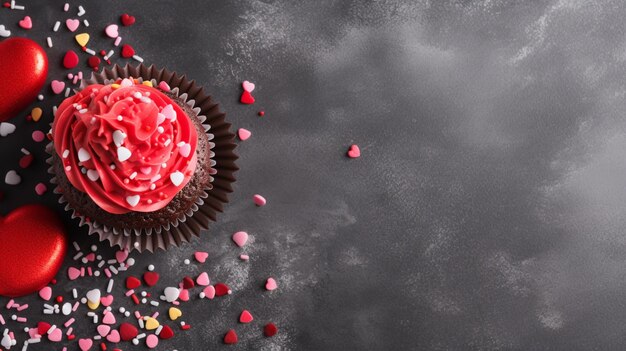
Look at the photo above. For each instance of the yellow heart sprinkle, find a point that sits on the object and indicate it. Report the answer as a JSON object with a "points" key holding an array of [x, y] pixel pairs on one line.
{"points": [[93, 305], [175, 313], [147, 83], [82, 39], [36, 114], [151, 323]]}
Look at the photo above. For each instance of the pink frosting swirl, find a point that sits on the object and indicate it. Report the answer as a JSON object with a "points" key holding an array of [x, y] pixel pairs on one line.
{"points": [[128, 146]]}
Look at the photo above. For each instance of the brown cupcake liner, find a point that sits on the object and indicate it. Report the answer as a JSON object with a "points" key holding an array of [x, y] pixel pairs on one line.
{"points": [[221, 139]]}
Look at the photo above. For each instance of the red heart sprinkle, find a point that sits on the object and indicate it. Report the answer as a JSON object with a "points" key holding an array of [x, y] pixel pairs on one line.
{"points": [[354, 151], [245, 317], [70, 60], [221, 289], [132, 283], [270, 330], [230, 337], [188, 283], [151, 278], [127, 20], [128, 331], [43, 327], [247, 98], [127, 51], [26, 160], [166, 333], [94, 62]]}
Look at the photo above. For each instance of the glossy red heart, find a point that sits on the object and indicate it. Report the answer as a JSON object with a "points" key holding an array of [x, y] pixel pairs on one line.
{"points": [[32, 247], [23, 71]]}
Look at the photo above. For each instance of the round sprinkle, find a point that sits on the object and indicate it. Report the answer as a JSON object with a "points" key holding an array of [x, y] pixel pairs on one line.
{"points": [[38, 136]]}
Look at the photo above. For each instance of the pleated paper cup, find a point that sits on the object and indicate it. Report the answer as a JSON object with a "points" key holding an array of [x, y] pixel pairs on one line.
{"points": [[204, 210]]}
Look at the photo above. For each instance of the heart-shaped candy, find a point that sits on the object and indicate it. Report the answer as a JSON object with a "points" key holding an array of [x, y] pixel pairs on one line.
{"points": [[244, 134], [354, 151], [114, 336], [23, 71], [245, 317], [240, 238], [247, 86], [33, 243], [26, 23], [127, 51], [5, 33], [127, 20], [85, 344], [56, 335], [111, 31], [72, 24]]}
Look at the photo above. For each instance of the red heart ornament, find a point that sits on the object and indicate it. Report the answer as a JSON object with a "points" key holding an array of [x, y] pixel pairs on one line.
{"points": [[23, 71], [32, 247]]}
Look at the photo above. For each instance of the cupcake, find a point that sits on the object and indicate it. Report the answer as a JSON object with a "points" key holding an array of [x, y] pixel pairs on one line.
{"points": [[132, 156]]}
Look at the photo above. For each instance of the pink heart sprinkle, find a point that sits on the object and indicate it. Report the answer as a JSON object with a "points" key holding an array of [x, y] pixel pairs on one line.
{"points": [[259, 200], [271, 284], [121, 256], [247, 86], [103, 330], [245, 317], [108, 318], [55, 335], [73, 273], [184, 150], [164, 86], [33, 333], [72, 24], [45, 293], [209, 292], [244, 134], [354, 151], [85, 344], [201, 256], [114, 336], [41, 189], [152, 341], [57, 86], [184, 295], [145, 170], [106, 301], [240, 238], [26, 23], [111, 31], [203, 279]]}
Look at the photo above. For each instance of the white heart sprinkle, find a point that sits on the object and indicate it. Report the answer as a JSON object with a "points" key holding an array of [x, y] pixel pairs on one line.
{"points": [[5, 33], [6, 128], [93, 175], [118, 137], [184, 150], [123, 154], [177, 178], [169, 113], [12, 178], [132, 200], [126, 83], [93, 296], [83, 155], [171, 294]]}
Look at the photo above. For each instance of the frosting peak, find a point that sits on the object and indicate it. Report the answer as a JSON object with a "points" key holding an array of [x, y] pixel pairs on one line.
{"points": [[128, 146]]}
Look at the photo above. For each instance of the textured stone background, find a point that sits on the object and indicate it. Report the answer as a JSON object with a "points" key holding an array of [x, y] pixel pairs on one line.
{"points": [[487, 210]]}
